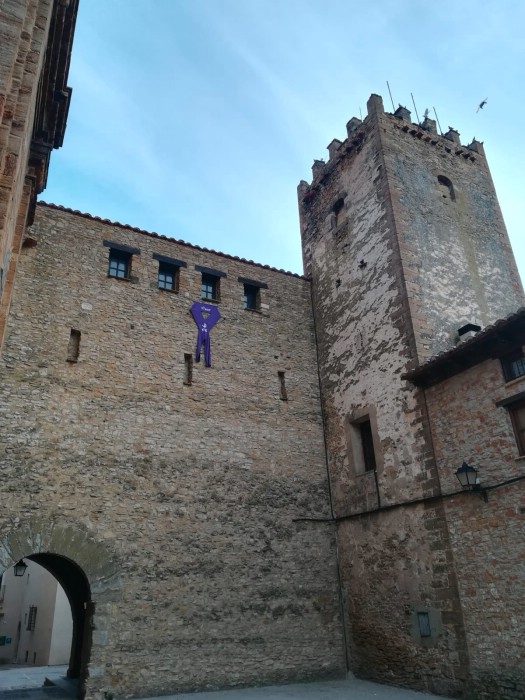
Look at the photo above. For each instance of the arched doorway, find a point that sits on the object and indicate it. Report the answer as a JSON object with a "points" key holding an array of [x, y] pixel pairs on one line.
{"points": [[76, 587], [88, 570]]}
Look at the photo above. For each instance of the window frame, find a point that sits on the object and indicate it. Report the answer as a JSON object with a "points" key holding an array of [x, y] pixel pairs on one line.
{"points": [[119, 256], [31, 618], [168, 269], [359, 461], [519, 433], [253, 292], [213, 283], [507, 363]]}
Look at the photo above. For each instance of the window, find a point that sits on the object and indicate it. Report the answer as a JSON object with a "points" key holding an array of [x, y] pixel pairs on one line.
{"points": [[210, 283], [517, 415], [209, 287], [120, 259], [169, 272], [31, 620], [251, 297], [73, 347], [252, 293], [367, 446], [339, 212], [364, 450], [447, 188], [423, 619], [513, 365], [119, 264], [168, 276]]}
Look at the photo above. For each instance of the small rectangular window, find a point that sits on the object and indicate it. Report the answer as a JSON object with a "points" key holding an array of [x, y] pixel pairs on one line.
{"points": [[251, 298], [168, 277], [73, 347], [282, 387], [210, 287], [119, 264], [423, 619], [188, 369], [367, 445], [31, 620], [517, 414], [513, 365]]}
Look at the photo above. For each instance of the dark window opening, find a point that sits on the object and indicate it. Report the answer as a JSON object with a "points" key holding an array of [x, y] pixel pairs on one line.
{"points": [[513, 365], [73, 347], [423, 619], [119, 264], [168, 277], [210, 287], [338, 210], [367, 445], [282, 387], [447, 188], [31, 620], [188, 369], [517, 415], [251, 298]]}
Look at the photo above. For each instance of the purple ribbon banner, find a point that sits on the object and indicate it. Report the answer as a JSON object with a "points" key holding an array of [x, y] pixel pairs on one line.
{"points": [[206, 316]]}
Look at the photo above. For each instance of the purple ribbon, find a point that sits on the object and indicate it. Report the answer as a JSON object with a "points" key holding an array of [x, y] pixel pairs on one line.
{"points": [[204, 325]]}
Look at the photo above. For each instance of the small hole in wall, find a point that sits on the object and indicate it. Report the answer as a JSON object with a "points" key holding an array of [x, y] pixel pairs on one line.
{"points": [[188, 369], [73, 347], [282, 387]]}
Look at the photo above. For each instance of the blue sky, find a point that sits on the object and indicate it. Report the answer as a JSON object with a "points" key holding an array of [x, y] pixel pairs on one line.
{"points": [[197, 118]]}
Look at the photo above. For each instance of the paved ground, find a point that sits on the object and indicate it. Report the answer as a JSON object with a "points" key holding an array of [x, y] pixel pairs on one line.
{"points": [[350, 689], [24, 683]]}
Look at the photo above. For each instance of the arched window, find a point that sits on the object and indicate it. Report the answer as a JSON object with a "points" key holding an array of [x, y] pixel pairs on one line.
{"points": [[447, 188]]}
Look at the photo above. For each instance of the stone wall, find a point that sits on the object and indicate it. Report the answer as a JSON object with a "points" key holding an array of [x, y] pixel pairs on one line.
{"points": [[395, 563], [487, 538], [195, 488], [457, 262], [24, 27]]}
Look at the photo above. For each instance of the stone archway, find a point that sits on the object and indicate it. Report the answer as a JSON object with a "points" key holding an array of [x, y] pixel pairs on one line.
{"points": [[87, 570]]}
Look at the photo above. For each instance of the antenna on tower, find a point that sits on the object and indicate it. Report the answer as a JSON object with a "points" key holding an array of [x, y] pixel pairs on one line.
{"points": [[360, 114], [391, 98], [414, 103], [437, 119]]}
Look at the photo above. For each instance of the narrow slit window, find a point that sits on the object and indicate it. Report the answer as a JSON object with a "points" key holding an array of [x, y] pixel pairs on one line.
{"points": [[282, 386], [367, 445], [339, 212], [73, 347], [517, 415], [423, 619], [188, 369], [31, 620]]}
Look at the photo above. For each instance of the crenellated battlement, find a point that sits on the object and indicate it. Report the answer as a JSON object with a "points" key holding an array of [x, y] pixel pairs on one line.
{"points": [[357, 130]]}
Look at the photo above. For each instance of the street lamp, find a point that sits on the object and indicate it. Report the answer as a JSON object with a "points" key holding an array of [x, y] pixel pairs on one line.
{"points": [[20, 568], [468, 478]]}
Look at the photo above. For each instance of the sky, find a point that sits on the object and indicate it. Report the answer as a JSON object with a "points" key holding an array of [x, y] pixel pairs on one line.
{"points": [[197, 119]]}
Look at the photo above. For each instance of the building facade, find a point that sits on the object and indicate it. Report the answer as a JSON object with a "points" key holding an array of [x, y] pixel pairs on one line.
{"points": [[240, 475]]}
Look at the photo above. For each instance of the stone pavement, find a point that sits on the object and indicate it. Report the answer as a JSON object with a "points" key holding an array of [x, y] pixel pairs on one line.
{"points": [[348, 689], [24, 683]]}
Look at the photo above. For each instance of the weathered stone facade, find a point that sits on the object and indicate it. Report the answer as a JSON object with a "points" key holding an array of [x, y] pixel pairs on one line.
{"points": [[404, 242], [290, 511], [195, 488]]}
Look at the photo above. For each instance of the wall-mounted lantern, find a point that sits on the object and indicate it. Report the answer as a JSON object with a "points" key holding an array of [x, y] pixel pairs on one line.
{"points": [[468, 478], [20, 568]]}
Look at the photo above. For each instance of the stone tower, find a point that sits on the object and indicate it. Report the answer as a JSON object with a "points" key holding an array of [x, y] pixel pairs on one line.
{"points": [[404, 242], [35, 49]]}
